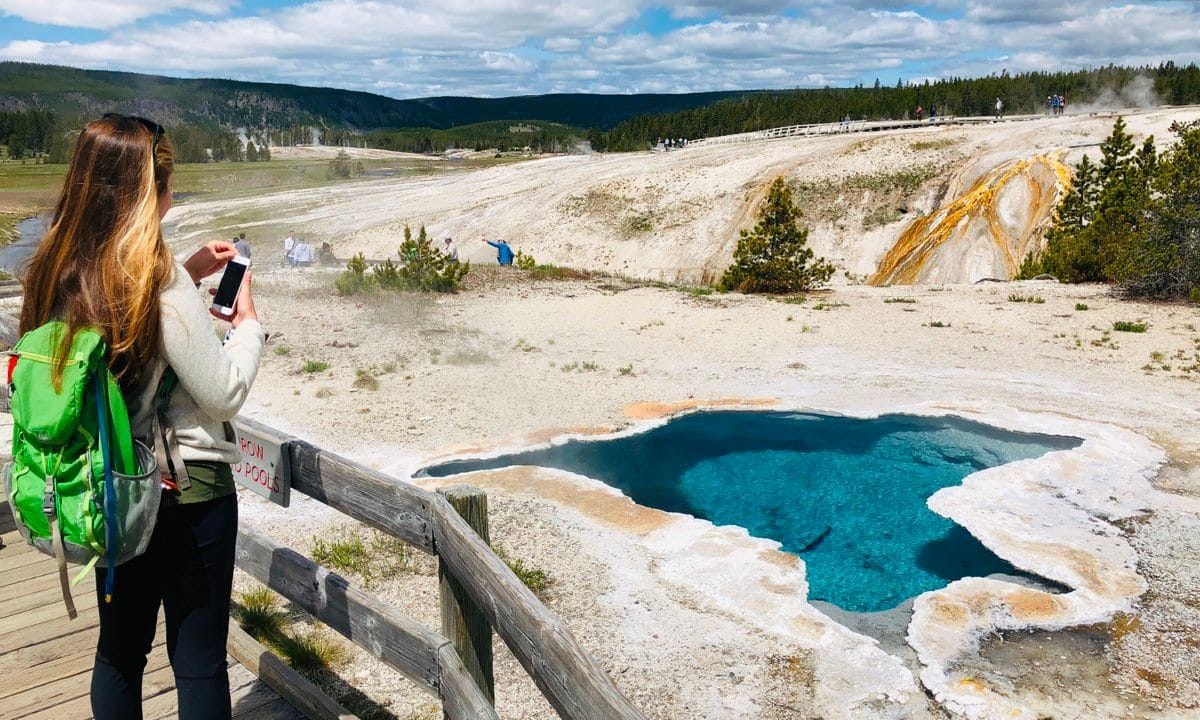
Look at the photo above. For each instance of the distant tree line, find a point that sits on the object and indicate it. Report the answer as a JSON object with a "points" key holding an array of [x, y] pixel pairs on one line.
{"points": [[27, 133], [1132, 219], [44, 135], [1022, 93]]}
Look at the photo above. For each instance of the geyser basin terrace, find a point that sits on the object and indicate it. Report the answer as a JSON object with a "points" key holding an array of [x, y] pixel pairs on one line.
{"points": [[846, 494]]}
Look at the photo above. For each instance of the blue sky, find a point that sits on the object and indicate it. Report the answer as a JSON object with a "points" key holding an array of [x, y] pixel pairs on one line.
{"points": [[507, 47]]}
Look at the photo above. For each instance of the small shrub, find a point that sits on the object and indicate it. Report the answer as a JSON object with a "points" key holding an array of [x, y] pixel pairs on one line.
{"points": [[283, 350], [589, 367], [905, 300], [1018, 298], [1081, 307], [1130, 327], [323, 392], [939, 324], [626, 370], [1194, 296], [365, 379], [354, 280], [524, 262], [314, 366], [524, 346]]}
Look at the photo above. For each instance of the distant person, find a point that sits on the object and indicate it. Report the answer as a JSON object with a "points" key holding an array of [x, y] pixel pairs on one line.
{"points": [[302, 255], [289, 244], [1050, 104], [451, 250], [1062, 104], [999, 109], [920, 113], [242, 246], [504, 253], [326, 257], [933, 112]]}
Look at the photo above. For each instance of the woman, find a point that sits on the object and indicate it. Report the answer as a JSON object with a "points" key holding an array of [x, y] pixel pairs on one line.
{"points": [[104, 264]]}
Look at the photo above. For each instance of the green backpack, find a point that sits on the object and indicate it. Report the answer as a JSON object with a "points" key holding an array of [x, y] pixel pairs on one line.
{"points": [[79, 485]]}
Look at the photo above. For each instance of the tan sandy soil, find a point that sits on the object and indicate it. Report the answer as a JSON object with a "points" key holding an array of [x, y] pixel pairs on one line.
{"points": [[485, 369]]}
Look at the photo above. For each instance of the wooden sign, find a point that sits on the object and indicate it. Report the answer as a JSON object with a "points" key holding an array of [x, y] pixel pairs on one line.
{"points": [[264, 467]]}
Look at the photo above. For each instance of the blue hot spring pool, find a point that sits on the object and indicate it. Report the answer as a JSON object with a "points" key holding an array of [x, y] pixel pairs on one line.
{"points": [[846, 494]]}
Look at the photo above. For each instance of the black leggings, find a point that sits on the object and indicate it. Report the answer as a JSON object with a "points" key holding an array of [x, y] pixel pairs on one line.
{"points": [[188, 568]]}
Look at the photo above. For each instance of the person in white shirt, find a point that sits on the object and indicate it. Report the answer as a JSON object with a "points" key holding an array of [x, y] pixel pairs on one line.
{"points": [[289, 246], [302, 255], [451, 250]]}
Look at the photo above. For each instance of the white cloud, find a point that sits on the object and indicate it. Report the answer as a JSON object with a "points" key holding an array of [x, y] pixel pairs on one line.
{"points": [[104, 15], [503, 47]]}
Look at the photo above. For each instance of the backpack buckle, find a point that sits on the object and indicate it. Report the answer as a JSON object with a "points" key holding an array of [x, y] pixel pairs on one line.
{"points": [[48, 499]]}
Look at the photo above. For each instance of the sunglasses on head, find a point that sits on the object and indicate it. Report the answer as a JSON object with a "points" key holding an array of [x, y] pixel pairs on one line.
{"points": [[154, 128]]}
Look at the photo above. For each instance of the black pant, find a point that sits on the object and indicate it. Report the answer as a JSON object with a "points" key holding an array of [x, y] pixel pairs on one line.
{"points": [[188, 568]]}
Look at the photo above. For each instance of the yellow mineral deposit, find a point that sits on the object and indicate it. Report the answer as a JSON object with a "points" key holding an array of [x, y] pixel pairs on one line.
{"points": [[985, 232]]}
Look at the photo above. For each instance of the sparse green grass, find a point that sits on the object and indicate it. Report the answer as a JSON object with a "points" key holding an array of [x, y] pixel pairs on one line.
{"points": [[790, 299], [470, 356], [259, 614], [625, 370], [1081, 307], [881, 215], [323, 392], [525, 346], [829, 305], [365, 379], [1018, 298], [534, 578], [638, 223], [903, 300], [589, 366], [1130, 327], [371, 555], [314, 366], [283, 350], [939, 324]]}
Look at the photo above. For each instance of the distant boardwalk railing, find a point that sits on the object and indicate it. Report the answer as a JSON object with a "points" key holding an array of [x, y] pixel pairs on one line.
{"points": [[853, 126]]}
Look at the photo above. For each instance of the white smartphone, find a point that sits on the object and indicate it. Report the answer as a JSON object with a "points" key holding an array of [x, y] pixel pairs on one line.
{"points": [[231, 283]]}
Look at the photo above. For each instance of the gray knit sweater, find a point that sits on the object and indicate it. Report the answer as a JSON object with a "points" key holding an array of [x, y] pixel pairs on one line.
{"points": [[214, 380]]}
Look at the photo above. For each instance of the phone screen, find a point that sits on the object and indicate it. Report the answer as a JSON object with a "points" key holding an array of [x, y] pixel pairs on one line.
{"points": [[231, 281]]}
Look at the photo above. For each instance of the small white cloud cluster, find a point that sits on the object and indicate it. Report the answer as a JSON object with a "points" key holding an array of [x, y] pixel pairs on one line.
{"points": [[505, 47]]}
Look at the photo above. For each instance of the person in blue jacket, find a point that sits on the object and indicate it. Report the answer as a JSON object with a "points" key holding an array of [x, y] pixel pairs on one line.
{"points": [[504, 254]]}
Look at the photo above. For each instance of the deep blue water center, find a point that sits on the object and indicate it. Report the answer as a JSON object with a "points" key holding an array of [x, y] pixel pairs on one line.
{"points": [[846, 494]]}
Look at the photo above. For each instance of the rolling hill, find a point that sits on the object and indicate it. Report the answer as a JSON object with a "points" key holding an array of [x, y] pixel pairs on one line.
{"points": [[74, 92]]}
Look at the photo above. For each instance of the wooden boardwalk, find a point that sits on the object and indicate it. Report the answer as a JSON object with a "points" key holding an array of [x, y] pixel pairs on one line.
{"points": [[46, 659]]}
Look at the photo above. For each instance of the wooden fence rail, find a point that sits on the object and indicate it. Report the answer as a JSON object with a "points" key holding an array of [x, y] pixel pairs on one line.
{"points": [[573, 682]]}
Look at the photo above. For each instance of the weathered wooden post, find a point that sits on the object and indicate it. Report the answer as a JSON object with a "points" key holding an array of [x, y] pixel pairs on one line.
{"points": [[462, 620]]}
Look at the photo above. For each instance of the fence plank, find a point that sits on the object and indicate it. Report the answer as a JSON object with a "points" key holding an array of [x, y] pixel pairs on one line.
{"points": [[574, 683], [400, 642], [291, 685], [397, 508], [463, 623]]}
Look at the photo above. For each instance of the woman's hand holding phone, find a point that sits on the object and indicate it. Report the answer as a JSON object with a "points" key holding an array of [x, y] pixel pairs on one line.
{"points": [[243, 308], [209, 259]]}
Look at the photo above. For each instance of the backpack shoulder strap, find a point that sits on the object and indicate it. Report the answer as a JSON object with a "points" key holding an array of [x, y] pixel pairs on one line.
{"points": [[166, 445]]}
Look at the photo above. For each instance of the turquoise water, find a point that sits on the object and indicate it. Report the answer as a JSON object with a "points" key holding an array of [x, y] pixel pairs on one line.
{"points": [[847, 495]]}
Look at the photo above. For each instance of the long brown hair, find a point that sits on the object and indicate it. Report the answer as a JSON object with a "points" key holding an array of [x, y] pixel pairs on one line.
{"points": [[103, 262]]}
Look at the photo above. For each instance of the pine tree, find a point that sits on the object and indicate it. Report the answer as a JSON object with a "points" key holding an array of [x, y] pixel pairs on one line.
{"points": [[774, 256], [425, 268], [251, 152], [1165, 262]]}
